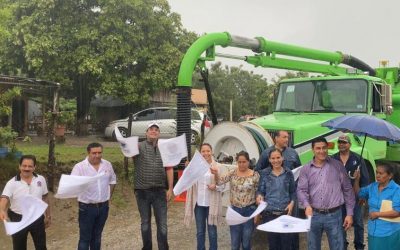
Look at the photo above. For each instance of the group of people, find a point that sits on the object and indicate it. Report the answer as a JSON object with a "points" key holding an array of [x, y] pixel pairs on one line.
{"points": [[332, 191]]}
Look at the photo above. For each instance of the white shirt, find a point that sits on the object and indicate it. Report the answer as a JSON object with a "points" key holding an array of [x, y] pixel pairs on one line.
{"points": [[100, 190], [16, 188], [203, 193]]}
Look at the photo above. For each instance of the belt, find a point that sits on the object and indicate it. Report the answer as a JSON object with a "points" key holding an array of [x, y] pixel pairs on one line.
{"points": [[278, 213], [326, 210], [100, 204]]}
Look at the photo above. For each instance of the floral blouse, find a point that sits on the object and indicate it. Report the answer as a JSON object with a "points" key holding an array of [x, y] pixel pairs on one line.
{"points": [[242, 189]]}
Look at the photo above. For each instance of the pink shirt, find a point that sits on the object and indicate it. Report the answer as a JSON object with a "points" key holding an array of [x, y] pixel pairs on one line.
{"points": [[100, 190]]}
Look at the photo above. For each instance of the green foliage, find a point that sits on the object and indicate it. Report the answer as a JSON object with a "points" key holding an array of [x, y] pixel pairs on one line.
{"points": [[6, 98], [7, 137], [123, 48], [250, 93]]}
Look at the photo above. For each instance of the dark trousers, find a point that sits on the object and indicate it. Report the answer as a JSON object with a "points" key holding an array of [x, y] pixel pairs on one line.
{"points": [[92, 219], [146, 199], [279, 241], [37, 230]]}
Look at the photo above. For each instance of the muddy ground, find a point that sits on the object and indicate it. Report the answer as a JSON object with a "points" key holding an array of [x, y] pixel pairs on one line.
{"points": [[122, 230]]}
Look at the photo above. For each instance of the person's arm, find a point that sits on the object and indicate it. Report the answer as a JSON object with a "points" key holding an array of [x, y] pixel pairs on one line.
{"points": [[349, 197], [219, 180], [47, 213], [302, 191], [395, 212], [298, 162], [3, 208], [170, 179], [112, 187], [292, 193], [262, 161], [364, 181]]}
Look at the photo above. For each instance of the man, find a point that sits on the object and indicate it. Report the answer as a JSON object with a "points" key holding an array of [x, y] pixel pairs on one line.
{"points": [[94, 202], [322, 189], [352, 161], [27, 182], [150, 183], [291, 159]]}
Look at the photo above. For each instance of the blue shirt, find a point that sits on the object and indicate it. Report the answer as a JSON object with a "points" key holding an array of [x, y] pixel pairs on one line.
{"points": [[351, 166], [378, 227], [291, 159], [278, 191]]}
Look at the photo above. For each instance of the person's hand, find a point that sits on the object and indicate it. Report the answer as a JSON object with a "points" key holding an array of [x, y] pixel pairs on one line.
{"points": [[186, 163], [214, 169], [309, 211], [257, 219], [212, 187], [47, 221], [373, 215], [357, 174], [169, 194], [348, 222], [3, 215], [289, 208], [259, 199]]}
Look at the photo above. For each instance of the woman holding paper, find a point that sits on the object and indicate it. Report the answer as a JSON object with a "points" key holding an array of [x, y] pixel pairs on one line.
{"points": [[204, 202], [384, 208], [277, 188], [243, 186]]}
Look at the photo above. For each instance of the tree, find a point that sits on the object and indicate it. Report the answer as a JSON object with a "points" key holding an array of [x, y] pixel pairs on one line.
{"points": [[250, 93], [123, 48]]}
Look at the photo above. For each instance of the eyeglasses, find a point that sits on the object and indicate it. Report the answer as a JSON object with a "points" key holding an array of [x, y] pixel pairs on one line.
{"points": [[342, 142]]}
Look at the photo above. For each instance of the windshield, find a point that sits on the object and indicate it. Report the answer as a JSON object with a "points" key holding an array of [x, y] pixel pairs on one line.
{"points": [[323, 96]]}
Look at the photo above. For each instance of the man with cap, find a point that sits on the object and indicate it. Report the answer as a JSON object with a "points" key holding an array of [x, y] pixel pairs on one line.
{"points": [[352, 162], [153, 186]]}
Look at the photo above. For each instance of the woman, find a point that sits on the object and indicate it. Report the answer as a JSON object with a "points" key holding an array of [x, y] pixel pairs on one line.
{"points": [[382, 234], [243, 186], [204, 201], [278, 189]]}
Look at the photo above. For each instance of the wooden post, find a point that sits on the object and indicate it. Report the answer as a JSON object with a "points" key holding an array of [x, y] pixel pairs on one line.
{"points": [[51, 163]]}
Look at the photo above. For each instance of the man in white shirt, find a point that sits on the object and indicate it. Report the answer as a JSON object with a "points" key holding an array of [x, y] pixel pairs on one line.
{"points": [[26, 183], [93, 203]]}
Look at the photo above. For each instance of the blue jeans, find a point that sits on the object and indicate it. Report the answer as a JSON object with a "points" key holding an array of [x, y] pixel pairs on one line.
{"points": [[278, 241], [358, 227], [332, 224], [201, 215], [156, 198], [92, 219], [241, 234]]}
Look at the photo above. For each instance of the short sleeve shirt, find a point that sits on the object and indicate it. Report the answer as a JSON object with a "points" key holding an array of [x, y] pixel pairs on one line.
{"points": [[98, 191], [17, 188]]}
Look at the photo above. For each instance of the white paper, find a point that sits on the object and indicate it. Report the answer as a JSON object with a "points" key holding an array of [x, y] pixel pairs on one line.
{"points": [[71, 186], [296, 172], [286, 224], [173, 150], [196, 169], [234, 218], [31, 208], [129, 146]]}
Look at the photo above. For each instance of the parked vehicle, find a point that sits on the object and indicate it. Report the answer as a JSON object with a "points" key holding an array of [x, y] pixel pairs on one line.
{"points": [[164, 116]]}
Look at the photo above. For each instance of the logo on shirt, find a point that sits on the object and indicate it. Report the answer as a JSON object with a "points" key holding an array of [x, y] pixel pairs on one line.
{"points": [[39, 183]]}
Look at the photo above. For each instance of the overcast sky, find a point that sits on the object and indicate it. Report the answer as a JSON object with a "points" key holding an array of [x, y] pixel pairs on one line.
{"points": [[366, 29]]}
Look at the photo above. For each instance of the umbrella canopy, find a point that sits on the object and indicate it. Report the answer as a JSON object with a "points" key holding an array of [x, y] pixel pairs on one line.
{"points": [[367, 125]]}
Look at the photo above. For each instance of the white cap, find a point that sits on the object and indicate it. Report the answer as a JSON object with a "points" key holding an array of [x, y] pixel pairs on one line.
{"points": [[153, 124]]}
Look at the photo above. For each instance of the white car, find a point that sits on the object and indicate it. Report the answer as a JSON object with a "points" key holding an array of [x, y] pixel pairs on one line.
{"points": [[164, 116]]}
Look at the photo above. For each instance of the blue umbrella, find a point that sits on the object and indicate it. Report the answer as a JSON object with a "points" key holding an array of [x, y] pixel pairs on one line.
{"points": [[366, 125]]}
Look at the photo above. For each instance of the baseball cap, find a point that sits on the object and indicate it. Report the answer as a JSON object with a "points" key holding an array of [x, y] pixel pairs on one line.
{"points": [[344, 138], [153, 124]]}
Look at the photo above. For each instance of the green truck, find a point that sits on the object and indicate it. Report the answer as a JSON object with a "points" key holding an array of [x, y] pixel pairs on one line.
{"points": [[342, 85]]}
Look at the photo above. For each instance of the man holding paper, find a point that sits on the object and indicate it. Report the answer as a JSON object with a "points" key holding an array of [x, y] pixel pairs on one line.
{"points": [[150, 188], [26, 183], [93, 203]]}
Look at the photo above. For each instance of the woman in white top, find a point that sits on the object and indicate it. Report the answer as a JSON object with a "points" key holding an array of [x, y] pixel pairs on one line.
{"points": [[203, 200]]}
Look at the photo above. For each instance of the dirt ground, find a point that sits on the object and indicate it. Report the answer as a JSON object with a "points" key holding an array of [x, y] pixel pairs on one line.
{"points": [[122, 230]]}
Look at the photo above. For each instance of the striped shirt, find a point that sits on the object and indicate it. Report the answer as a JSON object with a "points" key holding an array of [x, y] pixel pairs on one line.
{"points": [[325, 187], [149, 171]]}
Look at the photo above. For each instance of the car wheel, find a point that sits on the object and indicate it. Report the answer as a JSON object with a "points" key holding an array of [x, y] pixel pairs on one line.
{"points": [[123, 131], [193, 137]]}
